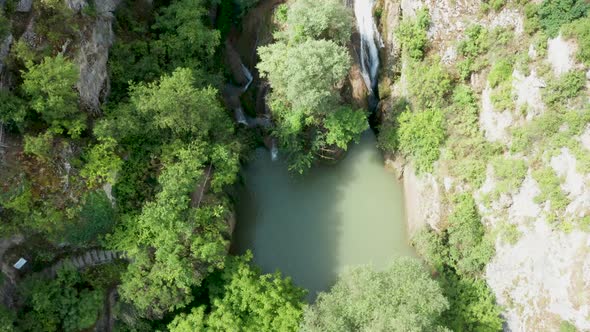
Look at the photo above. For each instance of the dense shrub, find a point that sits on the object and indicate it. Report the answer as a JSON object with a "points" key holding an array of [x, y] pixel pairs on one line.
{"points": [[327, 19], [555, 13], [501, 72], [429, 84], [580, 30], [559, 91], [412, 34], [420, 137]]}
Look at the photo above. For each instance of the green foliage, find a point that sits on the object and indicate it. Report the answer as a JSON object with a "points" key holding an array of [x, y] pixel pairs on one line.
{"points": [[431, 247], [476, 43], [176, 105], [400, 298], [472, 305], [12, 109], [555, 13], [412, 34], [566, 326], [580, 30], [7, 319], [502, 97], [510, 173], [173, 245], [559, 91], [50, 85], [40, 146], [469, 252], [244, 300], [305, 75], [96, 218], [550, 186], [429, 84], [4, 25], [184, 38], [501, 72], [420, 137], [328, 19], [63, 304], [344, 126], [102, 163]]}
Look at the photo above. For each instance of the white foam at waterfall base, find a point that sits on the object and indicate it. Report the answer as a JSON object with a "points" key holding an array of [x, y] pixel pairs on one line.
{"points": [[274, 150], [248, 76], [369, 56], [240, 116]]}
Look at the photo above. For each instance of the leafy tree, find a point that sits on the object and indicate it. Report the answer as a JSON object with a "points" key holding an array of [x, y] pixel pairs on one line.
{"points": [[420, 137], [7, 319], [400, 298], [185, 39], [305, 75], [345, 126], [102, 163], [244, 300], [63, 304], [555, 13], [328, 19], [177, 106], [50, 85], [173, 245]]}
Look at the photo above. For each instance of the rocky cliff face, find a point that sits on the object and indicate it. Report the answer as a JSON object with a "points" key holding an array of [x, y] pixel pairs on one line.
{"points": [[90, 48], [93, 53], [543, 277]]}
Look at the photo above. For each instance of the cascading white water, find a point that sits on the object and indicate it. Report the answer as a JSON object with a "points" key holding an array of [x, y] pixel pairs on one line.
{"points": [[240, 116], [248, 75], [370, 38], [274, 150]]}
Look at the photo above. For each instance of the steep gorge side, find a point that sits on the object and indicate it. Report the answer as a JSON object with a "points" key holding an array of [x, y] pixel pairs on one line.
{"points": [[532, 196]]}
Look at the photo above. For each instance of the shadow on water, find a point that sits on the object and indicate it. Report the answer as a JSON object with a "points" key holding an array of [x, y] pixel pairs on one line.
{"points": [[312, 227]]}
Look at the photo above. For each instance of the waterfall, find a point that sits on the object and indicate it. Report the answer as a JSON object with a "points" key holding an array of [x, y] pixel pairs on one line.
{"points": [[274, 150], [370, 38], [248, 76], [240, 116]]}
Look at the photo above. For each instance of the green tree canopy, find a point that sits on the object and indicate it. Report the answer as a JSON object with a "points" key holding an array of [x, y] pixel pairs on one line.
{"points": [[305, 74], [62, 304], [327, 19], [401, 298], [51, 87], [174, 245], [244, 300]]}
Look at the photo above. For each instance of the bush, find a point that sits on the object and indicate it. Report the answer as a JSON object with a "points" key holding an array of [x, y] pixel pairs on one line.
{"points": [[51, 87], [510, 173], [469, 252], [429, 84], [39, 146], [12, 109], [501, 72], [102, 164], [550, 186], [344, 126], [580, 30], [559, 91], [4, 26], [476, 43], [412, 34], [555, 13], [420, 137]]}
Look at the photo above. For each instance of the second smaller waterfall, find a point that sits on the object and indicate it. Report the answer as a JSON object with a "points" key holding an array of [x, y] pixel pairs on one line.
{"points": [[370, 38]]}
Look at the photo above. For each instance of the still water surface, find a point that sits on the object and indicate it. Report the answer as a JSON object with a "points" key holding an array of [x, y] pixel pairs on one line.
{"points": [[312, 227]]}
